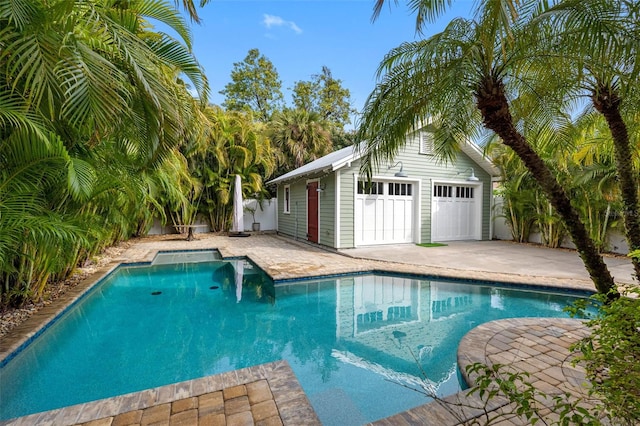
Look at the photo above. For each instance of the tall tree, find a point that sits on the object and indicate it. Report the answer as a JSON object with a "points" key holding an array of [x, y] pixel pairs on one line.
{"points": [[595, 51], [325, 96], [301, 136], [461, 78], [255, 87]]}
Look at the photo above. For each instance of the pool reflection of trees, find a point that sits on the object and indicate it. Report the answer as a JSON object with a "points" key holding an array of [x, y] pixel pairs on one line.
{"points": [[253, 336], [240, 279]]}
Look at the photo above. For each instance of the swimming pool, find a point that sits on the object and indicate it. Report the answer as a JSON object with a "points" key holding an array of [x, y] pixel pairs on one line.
{"points": [[356, 343]]}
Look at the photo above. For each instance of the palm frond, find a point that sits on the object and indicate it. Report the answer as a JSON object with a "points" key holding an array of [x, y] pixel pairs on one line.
{"points": [[18, 13], [162, 12]]}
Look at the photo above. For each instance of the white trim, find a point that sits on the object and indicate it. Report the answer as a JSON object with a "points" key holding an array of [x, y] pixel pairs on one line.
{"points": [[354, 192], [286, 202], [345, 161], [417, 237], [336, 192], [456, 182], [479, 186]]}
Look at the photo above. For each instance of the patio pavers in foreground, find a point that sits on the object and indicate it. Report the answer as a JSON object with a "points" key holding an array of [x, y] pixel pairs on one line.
{"points": [[283, 258], [267, 394]]}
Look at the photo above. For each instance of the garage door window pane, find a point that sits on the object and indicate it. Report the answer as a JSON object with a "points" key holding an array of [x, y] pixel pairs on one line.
{"points": [[375, 188], [400, 189], [464, 192], [443, 191]]}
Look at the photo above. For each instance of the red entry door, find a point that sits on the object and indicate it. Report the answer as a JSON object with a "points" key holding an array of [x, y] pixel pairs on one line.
{"points": [[312, 212]]}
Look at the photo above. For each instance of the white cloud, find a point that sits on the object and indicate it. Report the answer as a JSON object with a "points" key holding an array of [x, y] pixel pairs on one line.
{"points": [[276, 21]]}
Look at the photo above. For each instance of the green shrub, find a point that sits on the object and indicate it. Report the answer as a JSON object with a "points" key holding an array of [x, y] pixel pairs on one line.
{"points": [[610, 356]]}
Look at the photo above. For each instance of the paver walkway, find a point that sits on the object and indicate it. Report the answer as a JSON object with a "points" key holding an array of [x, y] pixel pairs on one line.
{"points": [[282, 259], [264, 395], [537, 346]]}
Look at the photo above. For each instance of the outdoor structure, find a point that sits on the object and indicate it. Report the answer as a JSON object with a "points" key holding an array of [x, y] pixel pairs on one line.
{"points": [[416, 198]]}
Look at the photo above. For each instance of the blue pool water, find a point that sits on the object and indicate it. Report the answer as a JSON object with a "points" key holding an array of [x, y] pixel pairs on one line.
{"points": [[356, 343]]}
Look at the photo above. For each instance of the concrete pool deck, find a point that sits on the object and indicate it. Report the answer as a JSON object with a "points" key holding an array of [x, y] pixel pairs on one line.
{"points": [[283, 258]]}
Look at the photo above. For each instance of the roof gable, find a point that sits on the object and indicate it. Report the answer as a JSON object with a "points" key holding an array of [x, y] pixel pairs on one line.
{"points": [[338, 159]]}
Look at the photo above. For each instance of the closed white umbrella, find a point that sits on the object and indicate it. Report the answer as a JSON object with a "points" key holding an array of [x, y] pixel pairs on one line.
{"points": [[237, 228]]}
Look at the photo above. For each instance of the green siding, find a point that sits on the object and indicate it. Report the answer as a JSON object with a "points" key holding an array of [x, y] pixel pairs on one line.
{"points": [[294, 223], [419, 167], [327, 213], [347, 193]]}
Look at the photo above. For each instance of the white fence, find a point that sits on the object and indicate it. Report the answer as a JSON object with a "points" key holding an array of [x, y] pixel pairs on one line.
{"points": [[616, 242], [265, 215]]}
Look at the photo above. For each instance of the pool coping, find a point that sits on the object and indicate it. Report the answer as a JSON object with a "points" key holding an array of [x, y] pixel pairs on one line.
{"points": [[293, 406]]}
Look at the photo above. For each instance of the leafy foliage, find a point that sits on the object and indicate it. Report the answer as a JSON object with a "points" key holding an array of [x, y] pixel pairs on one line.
{"points": [[593, 46], [325, 96], [91, 115], [300, 136], [255, 87], [583, 161], [475, 73], [610, 355], [527, 402], [233, 144]]}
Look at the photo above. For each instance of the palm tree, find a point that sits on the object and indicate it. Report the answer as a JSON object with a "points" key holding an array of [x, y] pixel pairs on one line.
{"points": [[583, 162], [459, 79], [91, 109], [232, 143], [597, 40], [301, 136]]}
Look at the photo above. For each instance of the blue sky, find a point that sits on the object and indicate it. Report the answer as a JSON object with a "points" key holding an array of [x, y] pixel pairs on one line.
{"points": [[302, 36]]}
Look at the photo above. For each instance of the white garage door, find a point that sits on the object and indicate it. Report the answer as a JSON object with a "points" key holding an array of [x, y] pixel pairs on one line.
{"points": [[456, 212], [384, 213]]}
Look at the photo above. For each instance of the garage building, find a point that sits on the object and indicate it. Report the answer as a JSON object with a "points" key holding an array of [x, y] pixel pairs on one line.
{"points": [[416, 198]]}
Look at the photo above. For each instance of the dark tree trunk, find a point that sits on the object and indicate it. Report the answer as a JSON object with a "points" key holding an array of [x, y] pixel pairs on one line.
{"points": [[493, 105], [607, 102]]}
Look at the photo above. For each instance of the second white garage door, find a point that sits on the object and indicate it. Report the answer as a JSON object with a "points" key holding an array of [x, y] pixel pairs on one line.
{"points": [[384, 213], [456, 212]]}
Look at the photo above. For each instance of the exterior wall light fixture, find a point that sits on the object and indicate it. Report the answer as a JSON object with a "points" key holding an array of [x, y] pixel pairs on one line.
{"points": [[399, 173]]}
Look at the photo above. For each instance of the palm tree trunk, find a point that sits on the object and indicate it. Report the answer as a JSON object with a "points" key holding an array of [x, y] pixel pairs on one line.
{"points": [[607, 102], [493, 105]]}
